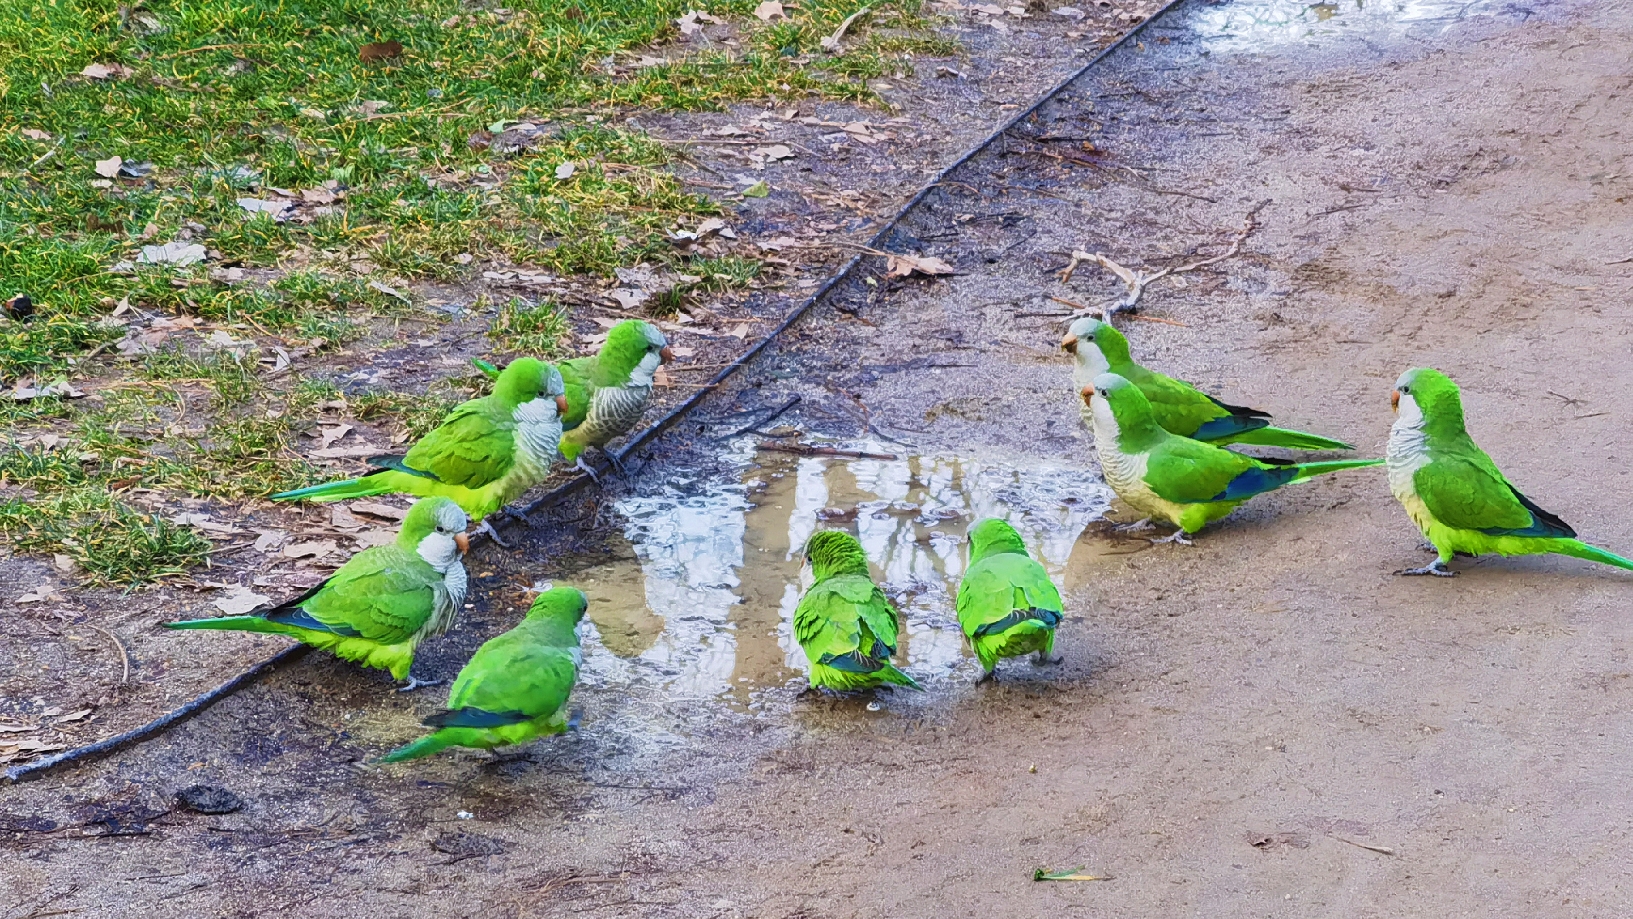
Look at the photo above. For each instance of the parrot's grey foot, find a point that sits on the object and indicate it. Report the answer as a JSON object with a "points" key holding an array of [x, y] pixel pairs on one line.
{"points": [[1177, 538], [618, 467], [1437, 568], [585, 468], [414, 684], [1144, 523], [575, 718], [487, 527], [987, 676], [1043, 659], [1427, 546], [808, 692]]}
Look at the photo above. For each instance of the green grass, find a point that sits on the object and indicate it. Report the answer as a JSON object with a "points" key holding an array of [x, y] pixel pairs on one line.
{"points": [[229, 99]]}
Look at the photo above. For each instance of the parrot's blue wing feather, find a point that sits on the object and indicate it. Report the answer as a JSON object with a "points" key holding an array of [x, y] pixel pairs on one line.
{"points": [[1256, 481], [475, 718]]}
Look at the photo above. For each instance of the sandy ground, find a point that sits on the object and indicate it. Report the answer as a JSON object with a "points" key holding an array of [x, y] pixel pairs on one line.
{"points": [[1235, 723]]}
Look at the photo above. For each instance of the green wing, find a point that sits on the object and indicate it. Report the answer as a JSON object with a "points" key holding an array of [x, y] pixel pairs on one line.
{"points": [[836, 616], [576, 373], [1470, 493], [1187, 471], [987, 594], [474, 447], [516, 672], [384, 594]]}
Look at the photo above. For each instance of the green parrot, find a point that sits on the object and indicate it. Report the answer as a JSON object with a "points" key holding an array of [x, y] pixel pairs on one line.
{"points": [[607, 392], [1179, 407], [1454, 492], [379, 606], [487, 453], [1006, 603], [846, 626], [516, 686], [1186, 482]]}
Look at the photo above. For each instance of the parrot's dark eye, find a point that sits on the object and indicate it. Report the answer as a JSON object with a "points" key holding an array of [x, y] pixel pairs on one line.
{"points": [[1405, 390]]}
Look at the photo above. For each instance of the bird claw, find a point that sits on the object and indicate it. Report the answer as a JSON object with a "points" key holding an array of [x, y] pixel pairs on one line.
{"points": [[414, 684], [487, 527], [987, 676], [1042, 659], [585, 467], [1177, 538], [1437, 568], [1144, 523], [617, 464]]}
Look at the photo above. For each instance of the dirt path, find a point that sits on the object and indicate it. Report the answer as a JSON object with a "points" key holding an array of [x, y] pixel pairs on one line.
{"points": [[1234, 723]]}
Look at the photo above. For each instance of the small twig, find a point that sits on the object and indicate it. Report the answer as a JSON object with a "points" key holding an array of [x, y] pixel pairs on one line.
{"points": [[1087, 310], [124, 656], [53, 152], [831, 43], [816, 450], [1621, 261], [1381, 850], [759, 422], [1136, 282]]}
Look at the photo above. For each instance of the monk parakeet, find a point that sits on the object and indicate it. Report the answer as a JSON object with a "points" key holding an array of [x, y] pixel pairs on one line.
{"points": [[487, 453], [1006, 603], [1186, 482], [1179, 407], [1454, 492], [607, 392], [382, 603], [516, 686], [846, 626]]}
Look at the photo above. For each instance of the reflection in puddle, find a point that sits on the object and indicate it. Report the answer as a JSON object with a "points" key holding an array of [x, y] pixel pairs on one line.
{"points": [[703, 599], [1256, 23]]}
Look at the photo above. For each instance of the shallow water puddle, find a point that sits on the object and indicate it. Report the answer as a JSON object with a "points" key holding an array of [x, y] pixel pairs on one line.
{"points": [[702, 599], [1256, 23]]}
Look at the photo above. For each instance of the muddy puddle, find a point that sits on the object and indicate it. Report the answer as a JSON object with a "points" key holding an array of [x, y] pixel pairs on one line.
{"points": [[1264, 24], [699, 599]]}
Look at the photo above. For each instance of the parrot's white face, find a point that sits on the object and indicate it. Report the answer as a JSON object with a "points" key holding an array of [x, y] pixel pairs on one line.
{"points": [[807, 576], [444, 546], [1104, 420], [1408, 415], [642, 375]]}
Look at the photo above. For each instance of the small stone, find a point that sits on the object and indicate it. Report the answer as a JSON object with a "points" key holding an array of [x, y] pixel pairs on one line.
{"points": [[208, 799]]}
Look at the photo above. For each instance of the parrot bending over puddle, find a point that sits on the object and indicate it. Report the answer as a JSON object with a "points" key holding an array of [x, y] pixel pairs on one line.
{"points": [[844, 622]]}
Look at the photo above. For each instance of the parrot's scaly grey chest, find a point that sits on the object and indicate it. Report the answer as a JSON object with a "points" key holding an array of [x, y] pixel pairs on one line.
{"points": [[1408, 449]]}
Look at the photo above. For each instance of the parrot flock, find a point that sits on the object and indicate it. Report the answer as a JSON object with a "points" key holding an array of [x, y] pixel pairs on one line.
{"points": [[1161, 444]]}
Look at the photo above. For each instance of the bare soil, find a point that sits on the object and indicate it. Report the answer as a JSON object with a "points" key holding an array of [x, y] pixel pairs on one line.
{"points": [[1269, 723]]}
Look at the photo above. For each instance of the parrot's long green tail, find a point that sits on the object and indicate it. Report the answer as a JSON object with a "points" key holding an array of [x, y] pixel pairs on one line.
{"points": [[241, 624], [889, 674], [1292, 440], [364, 487], [1576, 548], [425, 746], [1311, 470]]}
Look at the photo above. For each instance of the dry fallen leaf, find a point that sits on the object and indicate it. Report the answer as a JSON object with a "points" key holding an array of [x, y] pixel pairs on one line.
{"points": [[342, 519], [106, 71], [240, 600], [318, 196], [380, 51], [277, 210], [356, 451], [64, 563], [171, 253], [693, 20], [333, 433], [35, 134], [770, 10], [269, 540], [42, 594], [830, 43], [109, 167], [317, 549], [682, 351], [203, 522], [74, 716], [374, 536], [565, 170], [902, 266], [740, 332], [375, 509]]}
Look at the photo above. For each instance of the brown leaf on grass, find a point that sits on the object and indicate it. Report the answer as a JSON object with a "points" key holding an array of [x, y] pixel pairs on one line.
{"points": [[902, 266], [42, 594], [379, 51], [203, 522], [109, 167], [357, 451], [240, 600], [333, 433], [769, 10], [692, 21], [35, 134], [342, 519], [374, 536], [269, 540], [106, 71]]}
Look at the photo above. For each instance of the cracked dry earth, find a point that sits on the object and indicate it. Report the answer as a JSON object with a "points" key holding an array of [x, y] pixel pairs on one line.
{"points": [[1266, 724]]}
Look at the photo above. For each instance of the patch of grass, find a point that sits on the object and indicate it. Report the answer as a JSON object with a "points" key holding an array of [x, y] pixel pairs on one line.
{"points": [[535, 330], [731, 272], [111, 540]]}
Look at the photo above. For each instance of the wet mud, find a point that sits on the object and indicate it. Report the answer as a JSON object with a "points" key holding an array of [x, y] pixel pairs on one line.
{"points": [[1269, 723]]}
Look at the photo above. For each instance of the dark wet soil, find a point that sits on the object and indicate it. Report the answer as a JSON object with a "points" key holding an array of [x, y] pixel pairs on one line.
{"points": [[1266, 724]]}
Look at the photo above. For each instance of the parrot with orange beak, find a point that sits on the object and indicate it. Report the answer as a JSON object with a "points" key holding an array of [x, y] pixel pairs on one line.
{"points": [[1454, 492], [379, 606], [1186, 482], [1178, 407]]}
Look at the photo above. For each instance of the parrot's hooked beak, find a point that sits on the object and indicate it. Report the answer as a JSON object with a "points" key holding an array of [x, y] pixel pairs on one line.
{"points": [[1069, 344], [665, 355], [1395, 401], [1088, 393], [561, 405], [462, 541]]}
